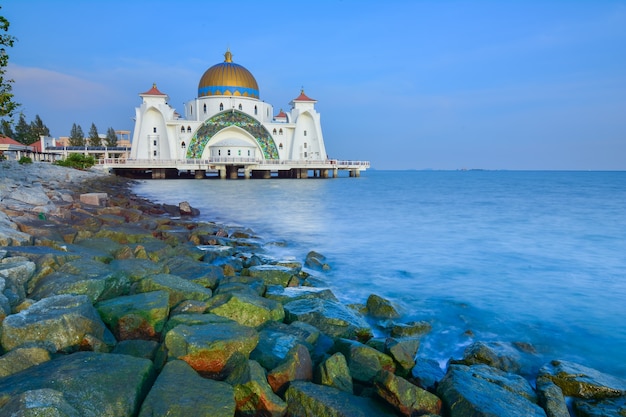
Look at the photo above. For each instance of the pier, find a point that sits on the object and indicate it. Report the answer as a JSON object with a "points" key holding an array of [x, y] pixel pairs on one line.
{"points": [[232, 168]]}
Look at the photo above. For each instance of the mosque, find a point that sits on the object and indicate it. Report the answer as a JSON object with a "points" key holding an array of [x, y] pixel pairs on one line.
{"points": [[228, 125]]}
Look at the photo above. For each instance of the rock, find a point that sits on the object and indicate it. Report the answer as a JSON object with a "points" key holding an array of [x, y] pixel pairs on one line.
{"points": [[87, 382], [9, 236], [213, 253], [273, 274], [316, 261], [308, 399], [16, 272], [195, 319], [253, 394], [331, 317], [287, 294], [211, 349], [427, 373], [66, 323], [580, 381], [364, 361], [403, 352], [39, 402], [22, 358], [600, 408], [138, 348], [180, 392], [381, 308], [245, 308], [274, 345], [551, 399], [195, 271], [185, 209], [178, 288], [334, 372], [297, 366], [495, 354], [139, 316], [405, 397], [136, 269], [413, 328], [81, 277], [480, 390], [95, 199]]}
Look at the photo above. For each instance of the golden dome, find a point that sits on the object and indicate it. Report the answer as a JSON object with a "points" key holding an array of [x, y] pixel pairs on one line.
{"points": [[228, 79]]}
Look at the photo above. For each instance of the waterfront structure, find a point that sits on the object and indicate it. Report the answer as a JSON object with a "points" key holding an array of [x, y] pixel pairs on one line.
{"points": [[228, 129]]}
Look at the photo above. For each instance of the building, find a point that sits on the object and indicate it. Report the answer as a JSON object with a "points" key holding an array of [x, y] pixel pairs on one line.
{"points": [[227, 121]]}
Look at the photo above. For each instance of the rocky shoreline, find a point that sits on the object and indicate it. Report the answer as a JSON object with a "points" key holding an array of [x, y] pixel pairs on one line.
{"points": [[111, 305]]}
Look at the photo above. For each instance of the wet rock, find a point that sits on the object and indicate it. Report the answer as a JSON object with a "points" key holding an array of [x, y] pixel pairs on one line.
{"points": [[138, 348], [253, 394], [381, 308], [195, 319], [334, 372], [317, 261], [211, 349], [199, 272], [178, 288], [499, 355], [480, 390], [413, 328], [273, 274], [580, 381], [89, 383], [246, 308], [64, 323], [308, 399], [551, 399], [136, 269], [364, 361], [285, 295], [139, 316], [297, 366], [274, 345], [22, 358], [405, 397], [600, 408], [331, 317], [213, 253], [427, 373], [81, 277], [402, 351], [180, 392], [39, 402]]}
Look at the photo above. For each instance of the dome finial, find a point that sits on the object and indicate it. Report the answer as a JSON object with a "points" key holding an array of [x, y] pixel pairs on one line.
{"points": [[228, 56]]}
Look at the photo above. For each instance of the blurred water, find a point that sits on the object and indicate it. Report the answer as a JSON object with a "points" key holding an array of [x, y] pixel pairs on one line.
{"points": [[538, 257]]}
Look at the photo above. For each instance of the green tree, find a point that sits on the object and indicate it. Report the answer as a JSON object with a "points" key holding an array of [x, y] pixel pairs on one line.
{"points": [[77, 137], [94, 138], [6, 129], [38, 128], [7, 104], [23, 132], [111, 139]]}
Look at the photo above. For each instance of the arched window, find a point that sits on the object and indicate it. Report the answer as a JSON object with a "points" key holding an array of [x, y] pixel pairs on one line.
{"points": [[219, 152], [221, 106], [190, 109], [305, 133], [182, 145], [188, 129], [280, 146], [248, 152], [239, 152], [154, 130], [280, 132], [229, 152], [274, 132], [255, 110], [182, 129], [304, 145], [240, 106], [204, 108]]}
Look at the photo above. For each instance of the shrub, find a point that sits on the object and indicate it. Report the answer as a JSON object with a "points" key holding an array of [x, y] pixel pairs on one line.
{"points": [[25, 160], [78, 161]]}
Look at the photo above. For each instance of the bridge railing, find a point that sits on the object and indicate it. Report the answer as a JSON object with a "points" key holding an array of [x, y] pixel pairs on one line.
{"points": [[330, 163]]}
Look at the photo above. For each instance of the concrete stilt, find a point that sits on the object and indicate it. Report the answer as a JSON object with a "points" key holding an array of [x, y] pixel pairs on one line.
{"points": [[199, 174]]}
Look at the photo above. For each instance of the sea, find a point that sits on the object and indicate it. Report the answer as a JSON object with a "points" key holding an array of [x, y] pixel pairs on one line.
{"points": [[531, 257]]}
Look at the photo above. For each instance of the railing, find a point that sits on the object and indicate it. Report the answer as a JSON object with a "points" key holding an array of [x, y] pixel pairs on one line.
{"points": [[330, 163]]}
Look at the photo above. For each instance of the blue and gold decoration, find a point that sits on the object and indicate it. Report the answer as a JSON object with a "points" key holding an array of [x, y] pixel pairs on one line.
{"points": [[228, 79]]}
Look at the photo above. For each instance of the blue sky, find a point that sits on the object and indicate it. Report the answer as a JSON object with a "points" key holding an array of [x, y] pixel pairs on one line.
{"points": [[403, 84]]}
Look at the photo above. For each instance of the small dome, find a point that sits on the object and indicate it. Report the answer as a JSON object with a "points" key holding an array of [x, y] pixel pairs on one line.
{"points": [[228, 79]]}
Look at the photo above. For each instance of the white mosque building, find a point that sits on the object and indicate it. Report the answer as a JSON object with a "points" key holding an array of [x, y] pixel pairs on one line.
{"points": [[228, 125]]}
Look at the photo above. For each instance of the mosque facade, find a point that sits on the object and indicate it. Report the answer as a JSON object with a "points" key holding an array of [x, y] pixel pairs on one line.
{"points": [[227, 121]]}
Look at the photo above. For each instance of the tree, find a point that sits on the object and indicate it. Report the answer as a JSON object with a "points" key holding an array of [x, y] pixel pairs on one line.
{"points": [[94, 138], [111, 139], [6, 129], [77, 137], [39, 129], [7, 104], [23, 132]]}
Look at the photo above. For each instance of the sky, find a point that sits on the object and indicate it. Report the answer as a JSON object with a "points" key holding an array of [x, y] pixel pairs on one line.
{"points": [[537, 85]]}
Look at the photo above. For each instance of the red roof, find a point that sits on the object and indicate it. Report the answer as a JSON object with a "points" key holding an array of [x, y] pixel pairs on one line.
{"points": [[281, 114], [5, 140], [303, 97], [37, 146], [154, 91]]}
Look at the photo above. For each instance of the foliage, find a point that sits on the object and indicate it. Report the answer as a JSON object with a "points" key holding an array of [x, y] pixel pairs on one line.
{"points": [[3, 157], [39, 129], [77, 137], [111, 139], [23, 132], [6, 129], [25, 160], [78, 161], [7, 104], [94, 138]]}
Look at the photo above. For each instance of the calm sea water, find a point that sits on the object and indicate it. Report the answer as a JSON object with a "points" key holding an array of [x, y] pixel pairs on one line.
{"points": [[537, 257]]}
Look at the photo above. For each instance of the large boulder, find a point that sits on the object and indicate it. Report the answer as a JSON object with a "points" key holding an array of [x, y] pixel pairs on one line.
{"points": [[253, 394], [381, 308], [87, 382], [211, 349], [297, 366], [480, 390], [334, 372], [600, 408], [180, 392], [137, 269], [195, 271], [287, 294], [331, 317], [246, 308], [273, 274], [309, 400], [22, 358], [364, 361], [405, 397], [576, 380], [63, 323], [139, 316], [178, 288]]}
